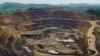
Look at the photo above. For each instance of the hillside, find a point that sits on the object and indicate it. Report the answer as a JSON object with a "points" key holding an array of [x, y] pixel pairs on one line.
{"points": [[10, 8]]}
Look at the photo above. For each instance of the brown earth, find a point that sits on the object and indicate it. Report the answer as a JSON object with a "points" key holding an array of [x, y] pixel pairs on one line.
{"points": [[22, 32]]}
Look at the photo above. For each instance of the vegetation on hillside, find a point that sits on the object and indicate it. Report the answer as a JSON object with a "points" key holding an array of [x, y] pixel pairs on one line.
{"points": [[95, 12], [11, 11], [10, 8]]}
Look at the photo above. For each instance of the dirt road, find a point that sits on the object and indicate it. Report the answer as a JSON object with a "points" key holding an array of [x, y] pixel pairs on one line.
{"points": [[92, 38]]}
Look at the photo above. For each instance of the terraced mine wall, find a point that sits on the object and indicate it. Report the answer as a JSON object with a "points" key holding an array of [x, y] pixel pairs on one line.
{"points": [[20, 32]]}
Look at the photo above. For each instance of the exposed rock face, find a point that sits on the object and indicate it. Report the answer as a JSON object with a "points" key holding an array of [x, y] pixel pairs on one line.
{"points": [[37, 31]]}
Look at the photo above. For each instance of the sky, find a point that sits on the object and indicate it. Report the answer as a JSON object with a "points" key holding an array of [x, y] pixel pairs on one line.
{"points": [[52, 1]]}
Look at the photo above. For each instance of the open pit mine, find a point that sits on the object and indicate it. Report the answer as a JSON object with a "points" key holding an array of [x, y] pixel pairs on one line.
{"points": [[49, 32]]}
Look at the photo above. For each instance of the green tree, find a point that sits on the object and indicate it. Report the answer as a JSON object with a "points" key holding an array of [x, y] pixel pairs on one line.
{"points": [[95, 12]]}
